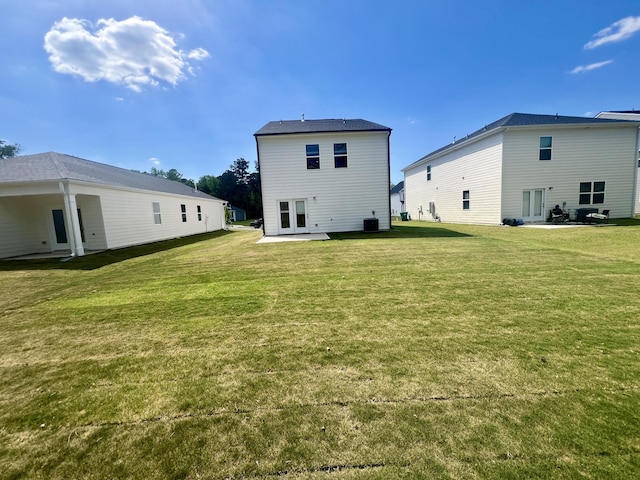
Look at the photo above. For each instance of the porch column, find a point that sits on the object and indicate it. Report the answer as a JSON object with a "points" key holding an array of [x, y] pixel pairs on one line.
{"points": [[71, 207]]}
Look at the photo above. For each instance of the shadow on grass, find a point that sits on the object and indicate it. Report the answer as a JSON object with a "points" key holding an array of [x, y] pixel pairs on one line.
{"points": [[108, 257], [626, 222], [423, 230]]}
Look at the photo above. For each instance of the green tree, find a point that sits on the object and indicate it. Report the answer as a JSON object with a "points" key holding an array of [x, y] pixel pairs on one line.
{"points": [[8, 150], [208, 184]]}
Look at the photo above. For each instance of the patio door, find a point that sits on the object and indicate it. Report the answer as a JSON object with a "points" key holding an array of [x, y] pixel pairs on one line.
{"points": [[533, 205], [292, 217], [61, 240]]}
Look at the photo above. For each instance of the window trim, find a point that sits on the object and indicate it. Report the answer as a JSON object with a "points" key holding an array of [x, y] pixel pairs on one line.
{"points": [[340, 155], [592, 193], [183, 211], [313, 156], [157, 215], [545, 150], [466, 200]]}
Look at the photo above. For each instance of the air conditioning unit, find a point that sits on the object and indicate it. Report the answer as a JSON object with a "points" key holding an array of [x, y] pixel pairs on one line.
{"points": [[370, 224]]}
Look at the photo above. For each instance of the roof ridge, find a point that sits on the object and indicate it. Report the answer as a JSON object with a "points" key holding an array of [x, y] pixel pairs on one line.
{"points": [[57, 162]]}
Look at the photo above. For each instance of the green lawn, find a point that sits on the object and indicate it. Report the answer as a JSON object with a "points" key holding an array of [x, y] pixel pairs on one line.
{"points": [[431, 351]]}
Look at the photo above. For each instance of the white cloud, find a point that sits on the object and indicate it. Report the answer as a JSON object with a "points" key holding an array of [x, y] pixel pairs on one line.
{"points": [[198, 54], [593, 66], [616, 32], [132, 52], [155, 161]]}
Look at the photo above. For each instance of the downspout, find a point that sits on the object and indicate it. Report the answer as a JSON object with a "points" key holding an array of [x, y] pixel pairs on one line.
{"points": [[260, 181], [389, 176], [635, 200], [71, 215]]}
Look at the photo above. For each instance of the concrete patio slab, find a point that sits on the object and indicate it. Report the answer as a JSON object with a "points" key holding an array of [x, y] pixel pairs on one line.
{"points": [[294, 238]]}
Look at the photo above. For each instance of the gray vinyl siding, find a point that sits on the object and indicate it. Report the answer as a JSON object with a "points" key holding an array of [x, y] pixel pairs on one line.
{"points": [[338, 199], [578, 155]]}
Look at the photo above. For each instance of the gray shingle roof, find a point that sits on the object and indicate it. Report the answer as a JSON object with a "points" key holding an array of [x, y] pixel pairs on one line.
{"points": [[286, 127], [523, 120], [51, 166], [397, 188]]}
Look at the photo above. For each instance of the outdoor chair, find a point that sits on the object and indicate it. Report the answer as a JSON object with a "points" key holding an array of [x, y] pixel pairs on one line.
{"points": [[559, 215]]}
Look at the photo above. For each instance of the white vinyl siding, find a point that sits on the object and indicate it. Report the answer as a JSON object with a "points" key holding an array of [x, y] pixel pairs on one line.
{"points": [[112, 217], [475, 167], [579, 155], [338, 199]]}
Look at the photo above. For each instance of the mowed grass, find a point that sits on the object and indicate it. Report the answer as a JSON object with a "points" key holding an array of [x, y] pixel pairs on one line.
{"points": [[431, 351]]}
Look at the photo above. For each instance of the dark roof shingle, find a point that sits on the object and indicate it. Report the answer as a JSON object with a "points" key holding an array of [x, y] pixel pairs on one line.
{"points": [[286, 127], [522, 120]]}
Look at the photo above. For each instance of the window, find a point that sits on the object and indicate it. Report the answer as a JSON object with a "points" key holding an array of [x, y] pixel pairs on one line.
{"points": [[591, 193], [156, 213], [199, 213], [340, 155], [545, 148], [313, 157], [465, 200], [183, 209], [428, 173]]}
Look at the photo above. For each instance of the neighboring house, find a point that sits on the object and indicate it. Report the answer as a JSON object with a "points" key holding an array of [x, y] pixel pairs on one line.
{"points": [[634, 116], [397, 199], [54, 202], [522, 165], [320, 176], [237, 214]]}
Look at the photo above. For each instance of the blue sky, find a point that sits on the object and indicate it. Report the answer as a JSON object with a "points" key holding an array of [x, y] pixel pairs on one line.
{"points": [[166, 84]]}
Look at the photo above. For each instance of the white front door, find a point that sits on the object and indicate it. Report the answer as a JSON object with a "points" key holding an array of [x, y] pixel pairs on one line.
{"points": [[533, 205], [292, 217]]}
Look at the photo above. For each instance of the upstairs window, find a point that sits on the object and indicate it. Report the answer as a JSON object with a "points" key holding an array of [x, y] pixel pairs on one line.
{"points": [[545, 148], [313, 156], [591, 193], [340, 155], [157, 219], [465, 200], [428, 173], [183, 209]]}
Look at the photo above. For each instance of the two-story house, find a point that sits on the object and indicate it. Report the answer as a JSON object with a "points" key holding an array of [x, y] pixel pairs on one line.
{"points": [[321, 176], [522, 165]]}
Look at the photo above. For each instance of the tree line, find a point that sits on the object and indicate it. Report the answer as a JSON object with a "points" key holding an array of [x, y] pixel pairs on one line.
{"points": [[237, 185]]}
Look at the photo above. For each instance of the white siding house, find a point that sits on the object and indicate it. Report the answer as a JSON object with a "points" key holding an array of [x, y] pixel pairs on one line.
{"points": [[397, 199], [321, 176], [53, 202], [522, 165], [634, 116]]}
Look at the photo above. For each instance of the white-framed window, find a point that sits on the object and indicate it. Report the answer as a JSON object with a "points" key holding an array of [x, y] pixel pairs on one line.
{"points": [[465, 200], [591, 193], [157, 218], [183, 210], [545, 148], [428, 173], [340, 155], [199, 209], [313, 156]]}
